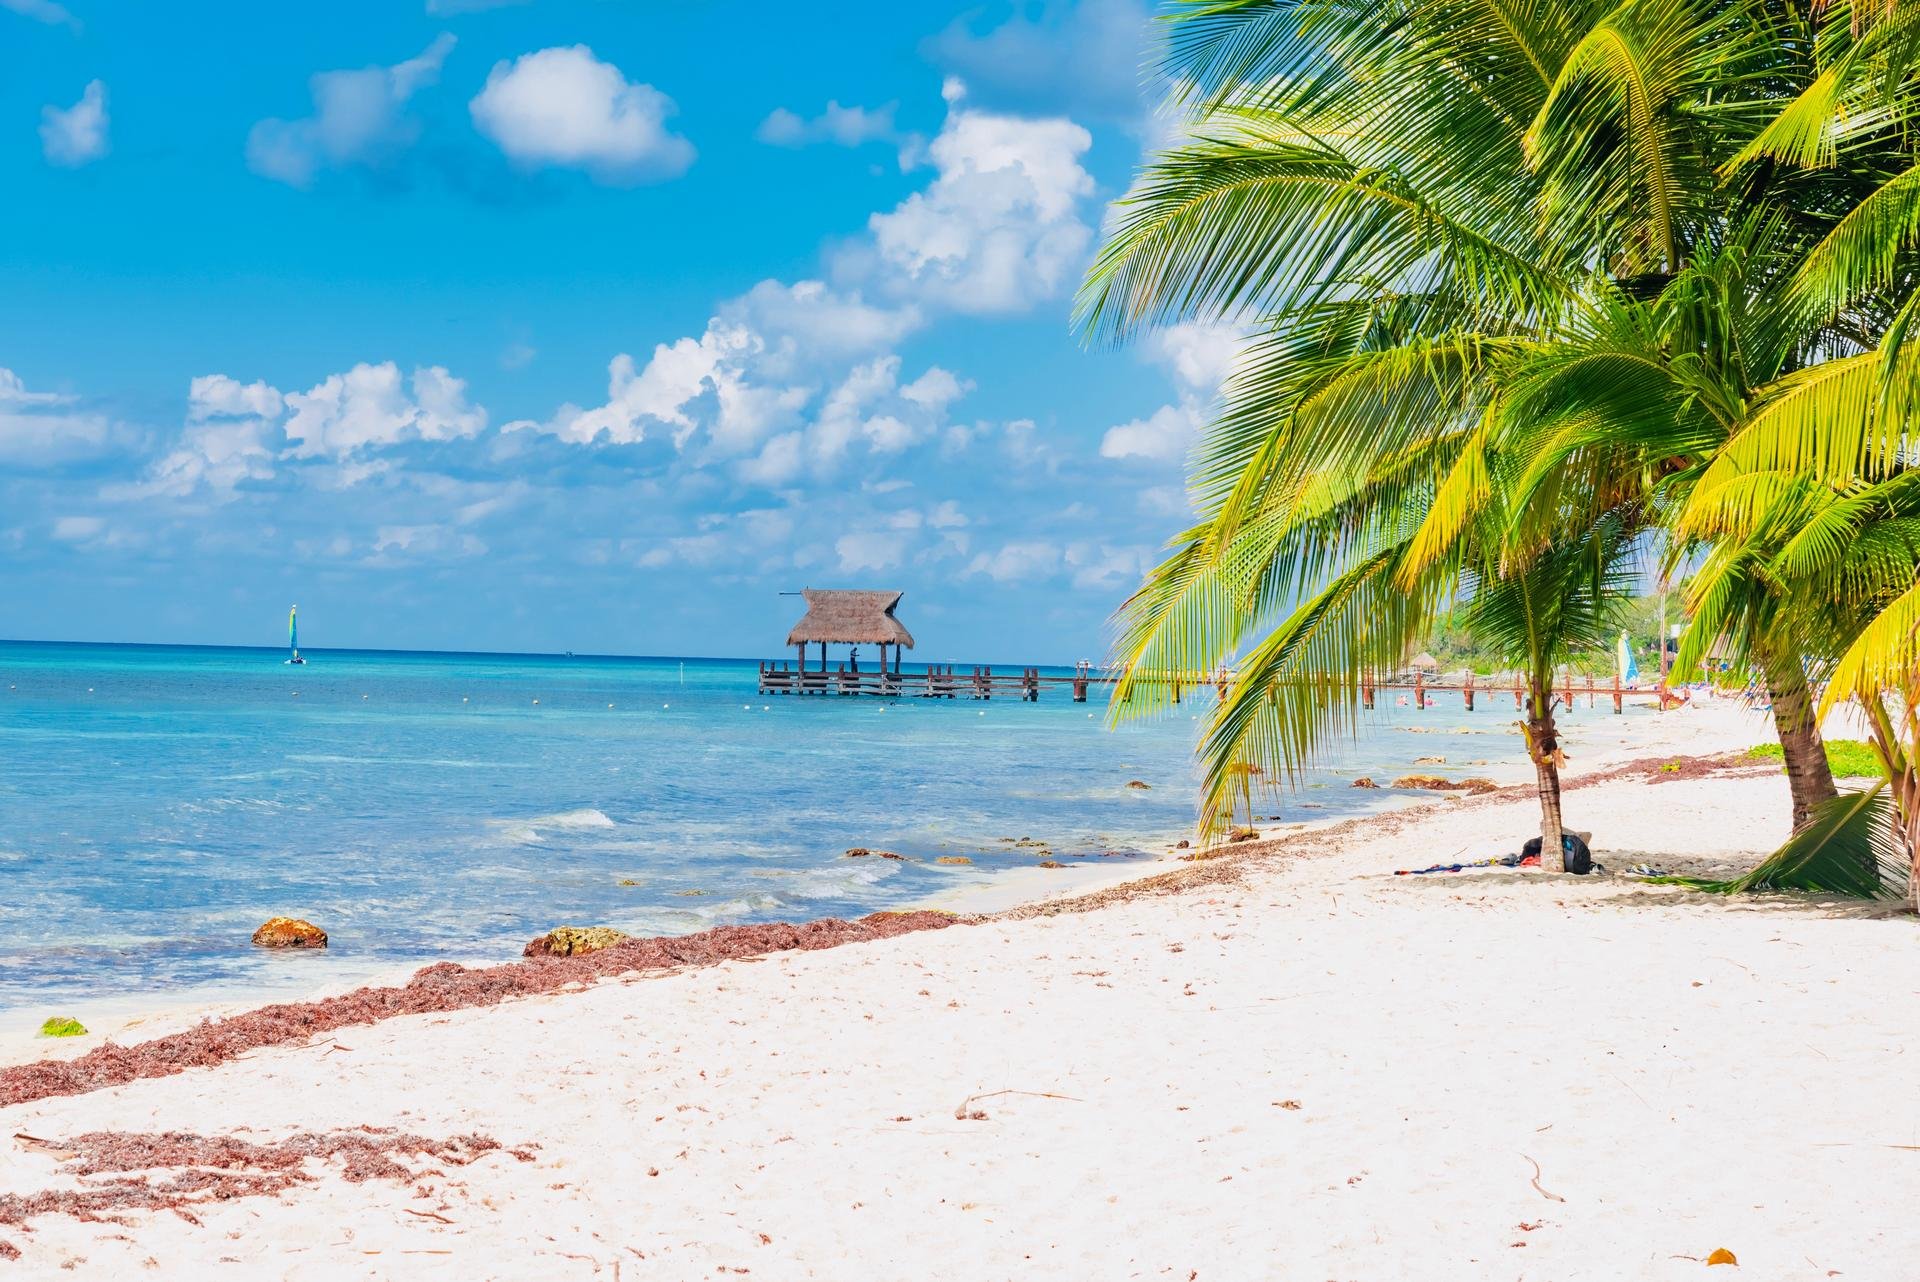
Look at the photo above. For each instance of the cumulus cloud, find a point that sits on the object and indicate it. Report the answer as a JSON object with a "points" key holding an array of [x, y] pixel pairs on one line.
{"points": [[1074, 55], [78, 529], [747, 378], [368, 407], [359, 118], [868, 410], [999, 228], [564, 108], [868, 550], [1200, 358], [1028, 559], [54, 15], [77, 135], [237, 433], [46, 429], [841, 126], [400, 545], [231, 438], [1163, 434]]}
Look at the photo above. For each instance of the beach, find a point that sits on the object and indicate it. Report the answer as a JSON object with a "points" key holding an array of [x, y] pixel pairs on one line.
{"points": [[1282, 1063]]}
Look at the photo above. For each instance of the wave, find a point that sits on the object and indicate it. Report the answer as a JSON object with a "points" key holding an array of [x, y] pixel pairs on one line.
{"points": [[527, 832]]}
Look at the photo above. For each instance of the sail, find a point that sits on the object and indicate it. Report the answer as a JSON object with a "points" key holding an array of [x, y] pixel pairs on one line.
{"points": [[293, 629], [1623, 653]]}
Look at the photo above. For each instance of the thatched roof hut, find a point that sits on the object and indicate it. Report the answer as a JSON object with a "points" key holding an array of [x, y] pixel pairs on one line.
{"points": [[1424, 662], [850, 618]]}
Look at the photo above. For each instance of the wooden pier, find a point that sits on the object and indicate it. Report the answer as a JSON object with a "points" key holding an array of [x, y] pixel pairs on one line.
{"points": [[865, 617], [935, 681], [950, 681]]}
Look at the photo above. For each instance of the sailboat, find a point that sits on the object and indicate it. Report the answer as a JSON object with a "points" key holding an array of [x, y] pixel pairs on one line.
{"points": [[293, 635]]}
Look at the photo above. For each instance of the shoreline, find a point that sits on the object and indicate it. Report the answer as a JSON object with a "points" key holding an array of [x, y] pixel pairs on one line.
{"points": [[161, 1014], [1530, 1077]]}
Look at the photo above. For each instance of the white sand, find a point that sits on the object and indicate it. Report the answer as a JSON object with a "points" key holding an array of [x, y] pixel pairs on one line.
{"points": [[1688, 1073]]}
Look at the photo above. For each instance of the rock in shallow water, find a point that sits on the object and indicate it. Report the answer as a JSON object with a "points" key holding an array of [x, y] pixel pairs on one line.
{"points": [[290, 932], [568, 941]]}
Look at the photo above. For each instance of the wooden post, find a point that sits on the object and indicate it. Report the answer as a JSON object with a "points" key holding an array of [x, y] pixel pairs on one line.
{"points": [[823, 656], [1589, 692], [1419, 688], [1366, 692], [1516, 691], [1080, 689], [1616, 692], [1469, 690], [1569, 690]]}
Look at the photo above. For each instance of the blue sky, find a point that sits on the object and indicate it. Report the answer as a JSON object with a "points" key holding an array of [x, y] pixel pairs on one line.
{"points": [[573, 325]]}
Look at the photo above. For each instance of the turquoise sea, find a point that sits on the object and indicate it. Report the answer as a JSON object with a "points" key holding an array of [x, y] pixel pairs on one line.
{"points": [[159, 802]]}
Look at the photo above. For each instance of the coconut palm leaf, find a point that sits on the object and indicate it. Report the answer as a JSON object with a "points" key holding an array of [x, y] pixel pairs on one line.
{"points": [[1852, 847]]}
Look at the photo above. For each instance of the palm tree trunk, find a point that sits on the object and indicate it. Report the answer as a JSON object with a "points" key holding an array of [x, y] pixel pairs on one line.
{"points": [[1809, 777], [1543, 745]]}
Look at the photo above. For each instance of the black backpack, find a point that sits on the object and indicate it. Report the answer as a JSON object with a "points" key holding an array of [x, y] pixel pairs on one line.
{"points": [[1579, 858]]}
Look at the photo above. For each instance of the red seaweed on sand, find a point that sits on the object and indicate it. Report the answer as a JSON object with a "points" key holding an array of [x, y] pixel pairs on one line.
{"points": [[444, 986], [214, 1168]]}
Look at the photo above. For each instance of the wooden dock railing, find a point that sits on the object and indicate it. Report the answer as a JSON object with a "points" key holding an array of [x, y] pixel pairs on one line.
{"points": [[948, 681]]}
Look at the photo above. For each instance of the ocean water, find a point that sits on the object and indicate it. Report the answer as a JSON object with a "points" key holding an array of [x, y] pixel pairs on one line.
{"points": [[158, 803]]}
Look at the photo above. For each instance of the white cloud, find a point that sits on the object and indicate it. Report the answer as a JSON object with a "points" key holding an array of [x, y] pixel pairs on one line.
{"points": [[868, 409], [78, 529], [868, 550], [563, 107], [1103, 567], [1164, 434], [842, 126], [1087, 56], [46, 429], [54, 15], [398, 545], [217, 396], [236, 432], [77, 135], [368, 407], [1200, 358], [998, 229], [359, 118], [1199, 354], [947, 516], [1017, 561], [747, 380], [660, 394]]}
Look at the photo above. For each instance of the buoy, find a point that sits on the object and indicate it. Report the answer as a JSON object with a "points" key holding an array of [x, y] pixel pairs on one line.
{"points": [[463, 698], [536, 703], [609, 705]]}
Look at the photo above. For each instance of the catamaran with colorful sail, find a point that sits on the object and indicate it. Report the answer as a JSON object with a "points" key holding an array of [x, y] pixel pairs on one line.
{"points": [[293, 635]]}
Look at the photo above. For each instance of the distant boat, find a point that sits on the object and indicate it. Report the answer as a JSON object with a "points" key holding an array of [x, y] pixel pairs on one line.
{"points": [[293, 635]]}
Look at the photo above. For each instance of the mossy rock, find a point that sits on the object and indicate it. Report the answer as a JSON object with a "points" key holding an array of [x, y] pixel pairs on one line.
{"points": [[570, 941], [60, 1026], [289, 932], [1365, 781], [1138, 784], [953, 859]]}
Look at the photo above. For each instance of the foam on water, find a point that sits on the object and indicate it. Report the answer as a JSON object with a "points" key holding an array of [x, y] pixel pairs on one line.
{"points": [[162, 802]]}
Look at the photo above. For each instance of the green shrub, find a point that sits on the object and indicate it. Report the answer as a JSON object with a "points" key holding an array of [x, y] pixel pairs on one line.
{"points": [[62, 1027], [1847, 758]]}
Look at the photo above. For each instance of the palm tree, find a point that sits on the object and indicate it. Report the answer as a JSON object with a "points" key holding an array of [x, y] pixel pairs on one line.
{"points": [[1467, 232]]}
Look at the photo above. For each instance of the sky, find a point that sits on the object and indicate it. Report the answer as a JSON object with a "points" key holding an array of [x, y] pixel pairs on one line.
{"points": [[544, 325]]}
